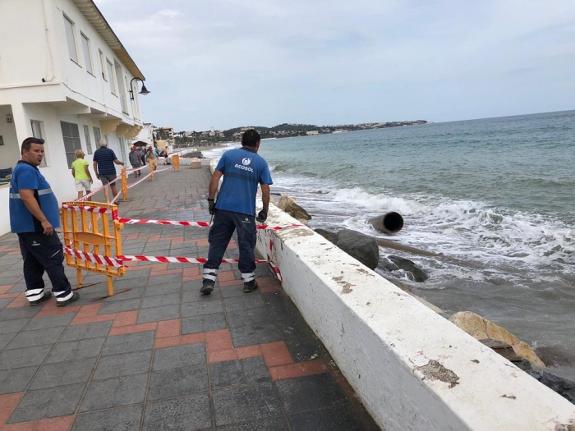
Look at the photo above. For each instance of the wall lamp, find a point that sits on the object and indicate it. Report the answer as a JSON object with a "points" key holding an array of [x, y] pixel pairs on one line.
{"points": [[143, 91]]}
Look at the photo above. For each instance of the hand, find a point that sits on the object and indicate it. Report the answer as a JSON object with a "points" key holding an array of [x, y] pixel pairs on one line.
{"points": [[47, 228], [262, 216], [212, 206]]}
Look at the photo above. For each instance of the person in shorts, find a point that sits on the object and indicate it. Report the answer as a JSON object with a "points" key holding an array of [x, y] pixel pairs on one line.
{"points": [[81, 174], [104, 160]]}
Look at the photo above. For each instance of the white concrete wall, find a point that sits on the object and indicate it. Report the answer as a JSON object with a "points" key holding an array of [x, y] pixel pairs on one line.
{"points": [[24, 53], [383, 341]]}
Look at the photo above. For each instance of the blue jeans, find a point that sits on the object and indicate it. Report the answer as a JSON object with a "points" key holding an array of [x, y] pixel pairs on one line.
{"points": [[225, 222], [43, 253]]}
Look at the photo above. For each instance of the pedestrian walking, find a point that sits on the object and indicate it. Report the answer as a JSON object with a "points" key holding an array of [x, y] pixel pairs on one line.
{"points": [[135, 160], [104, 160], [81, 174], [234, 210], [34, 216], [151, 159]]}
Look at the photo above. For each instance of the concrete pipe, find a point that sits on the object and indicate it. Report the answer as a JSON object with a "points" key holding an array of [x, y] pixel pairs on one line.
{"points": [[389, 223]]}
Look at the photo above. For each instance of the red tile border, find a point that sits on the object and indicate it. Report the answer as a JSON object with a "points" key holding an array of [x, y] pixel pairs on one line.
{"points": [[8, 403], [19, 301], [131, 329], [50, 309], [248, 351], [276, 354], [299, 369], [126, 318], [5, 288], [222, 356], [199, 337], [62, 423], [219, 340], [169, 328]]}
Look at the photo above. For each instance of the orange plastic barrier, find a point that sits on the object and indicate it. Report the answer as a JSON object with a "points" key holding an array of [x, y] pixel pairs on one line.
{"points": [[90, 228]]}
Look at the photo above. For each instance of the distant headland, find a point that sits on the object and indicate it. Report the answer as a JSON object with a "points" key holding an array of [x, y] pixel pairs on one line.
{"points": [[285, 130]]}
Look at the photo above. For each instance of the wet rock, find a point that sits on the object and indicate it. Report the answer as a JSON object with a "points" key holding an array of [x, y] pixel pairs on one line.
{"points": [[483, 329], [330, 236], [413, 271], [362, 247], [290, 206]]}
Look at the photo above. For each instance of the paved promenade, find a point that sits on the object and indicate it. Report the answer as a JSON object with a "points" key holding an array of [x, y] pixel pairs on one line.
{"points": [[157, 355]]}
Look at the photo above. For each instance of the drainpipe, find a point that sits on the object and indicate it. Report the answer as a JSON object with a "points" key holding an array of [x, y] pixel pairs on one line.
{"points": [[50, 70]]}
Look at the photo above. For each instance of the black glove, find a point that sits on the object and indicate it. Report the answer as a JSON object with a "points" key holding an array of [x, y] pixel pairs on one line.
{"points": [[211, 206], [262, 216]]}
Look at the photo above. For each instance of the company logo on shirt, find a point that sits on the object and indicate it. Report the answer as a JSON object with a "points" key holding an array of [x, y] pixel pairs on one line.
{"points": [[245, 166]]}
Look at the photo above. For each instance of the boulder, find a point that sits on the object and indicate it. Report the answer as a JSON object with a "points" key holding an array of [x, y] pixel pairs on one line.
{"points": [[330, 236], [391, 222], [483, 329], [290, 206], [362, 247], [414, 273]]}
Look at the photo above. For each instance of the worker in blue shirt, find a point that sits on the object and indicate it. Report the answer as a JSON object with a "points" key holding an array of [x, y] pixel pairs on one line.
{"points": [[34, 214], [243, 170]]}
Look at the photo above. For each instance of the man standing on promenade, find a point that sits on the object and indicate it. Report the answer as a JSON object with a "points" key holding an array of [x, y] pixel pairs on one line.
{"points": [[104, 160], [235, 209], [34, 214]]}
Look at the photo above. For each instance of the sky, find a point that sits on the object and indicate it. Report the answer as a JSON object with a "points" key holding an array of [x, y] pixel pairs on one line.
{"points": [[218, 64]]}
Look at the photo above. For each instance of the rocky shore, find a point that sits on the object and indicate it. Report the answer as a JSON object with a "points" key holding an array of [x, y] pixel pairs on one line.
{"points": [[366, 249]]}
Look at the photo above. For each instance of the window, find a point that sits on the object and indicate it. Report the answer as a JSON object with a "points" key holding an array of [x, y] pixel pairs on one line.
{"points": [[111, 76], [87, 54], [71, 39], [88, 140], [97, 136], [102, 67], [121, 86], [38, 132], [71, 136]]}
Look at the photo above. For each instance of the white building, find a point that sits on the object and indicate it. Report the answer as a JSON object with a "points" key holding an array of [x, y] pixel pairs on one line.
{"points": [[66, 77], [146, 134]]}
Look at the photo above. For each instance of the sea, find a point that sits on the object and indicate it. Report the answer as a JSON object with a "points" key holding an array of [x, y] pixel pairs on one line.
{"points": [[492, 199]]}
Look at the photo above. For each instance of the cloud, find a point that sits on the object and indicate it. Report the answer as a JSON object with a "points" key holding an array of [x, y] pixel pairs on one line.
{"points": [[208, 60]]}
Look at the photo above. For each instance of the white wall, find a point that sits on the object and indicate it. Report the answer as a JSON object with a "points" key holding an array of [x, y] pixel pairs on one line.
{"points": [[383, 341], [24, 53], [75, 75]]}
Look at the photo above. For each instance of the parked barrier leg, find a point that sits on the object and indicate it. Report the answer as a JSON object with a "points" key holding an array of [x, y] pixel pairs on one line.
{"points": [[79, 278], [110, 286], [124, 184]]}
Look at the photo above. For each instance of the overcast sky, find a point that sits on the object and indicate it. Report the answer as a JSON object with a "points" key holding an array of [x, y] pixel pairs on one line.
{"points": [[227, 63]]}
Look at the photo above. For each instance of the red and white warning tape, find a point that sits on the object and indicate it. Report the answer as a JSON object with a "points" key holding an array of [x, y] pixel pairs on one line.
{"points": [[80, 207], [94, 258], [196, 223], [175, 259]]}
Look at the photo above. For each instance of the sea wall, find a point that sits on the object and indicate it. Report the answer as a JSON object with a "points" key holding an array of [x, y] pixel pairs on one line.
{"points": [[412, 368]]}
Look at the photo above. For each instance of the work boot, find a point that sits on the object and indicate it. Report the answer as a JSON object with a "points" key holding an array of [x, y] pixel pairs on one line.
{"points": [[75, 296], [250, 286], [47, 295], [207, 287]]}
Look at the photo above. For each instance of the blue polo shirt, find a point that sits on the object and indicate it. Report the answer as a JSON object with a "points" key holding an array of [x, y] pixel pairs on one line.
{"points": [[105, 159], [28, 176], [243, 170]]}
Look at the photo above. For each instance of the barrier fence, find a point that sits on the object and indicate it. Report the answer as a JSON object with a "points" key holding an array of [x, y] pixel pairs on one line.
{"points": [[93, 235]]}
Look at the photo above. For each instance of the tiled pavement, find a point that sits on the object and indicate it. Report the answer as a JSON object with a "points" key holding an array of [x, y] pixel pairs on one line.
{"points": [[157, 356]]}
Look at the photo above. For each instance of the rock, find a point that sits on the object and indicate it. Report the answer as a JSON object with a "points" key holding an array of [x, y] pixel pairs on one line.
{"points": [[391, 222], [330, 236], [483, 329], [193, 155], [387, 265], [413, 271], [362, 247], [290, 206]]}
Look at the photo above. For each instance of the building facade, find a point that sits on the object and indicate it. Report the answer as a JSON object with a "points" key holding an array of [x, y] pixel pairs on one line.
{"points": [[65, 77]]}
